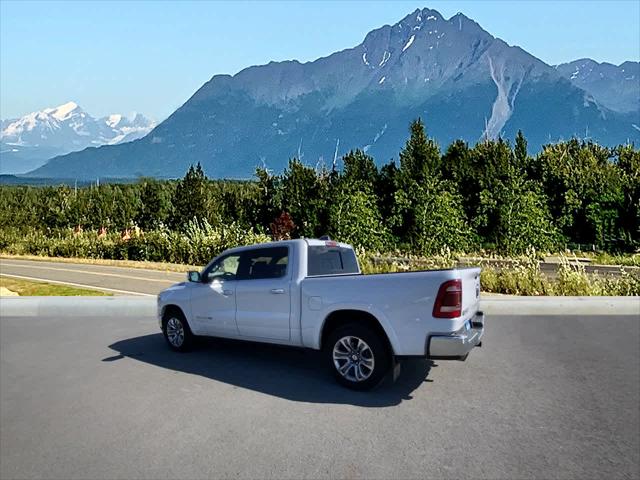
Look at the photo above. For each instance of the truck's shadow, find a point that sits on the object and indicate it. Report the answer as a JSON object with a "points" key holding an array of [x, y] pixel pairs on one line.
{"points": [[294, 374]]}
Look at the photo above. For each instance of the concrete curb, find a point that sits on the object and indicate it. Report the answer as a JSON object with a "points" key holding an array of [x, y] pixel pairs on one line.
{"points": [[78, 306], [146, 307], [515, 306]]}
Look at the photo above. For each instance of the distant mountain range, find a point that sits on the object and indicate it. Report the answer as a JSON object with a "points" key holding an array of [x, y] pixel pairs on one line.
{"points": [[614, 87], [461, 80], [27, 142]]}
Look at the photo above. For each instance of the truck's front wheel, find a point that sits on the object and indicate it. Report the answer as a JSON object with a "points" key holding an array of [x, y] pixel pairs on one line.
{"points": [[176, 331], [358, 356]]}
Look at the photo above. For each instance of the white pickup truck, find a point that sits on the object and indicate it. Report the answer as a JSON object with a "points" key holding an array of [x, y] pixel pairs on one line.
{"points": [[311, 293]]}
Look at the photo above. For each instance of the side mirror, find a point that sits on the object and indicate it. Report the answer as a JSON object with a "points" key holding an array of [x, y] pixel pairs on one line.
{"points": [[194, 276]]}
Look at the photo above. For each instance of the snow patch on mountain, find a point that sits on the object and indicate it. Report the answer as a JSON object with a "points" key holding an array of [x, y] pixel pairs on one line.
{"points": [[385, 58], [408, 44], [503, 105], [380, 133], [64, 111], [113, 120]]}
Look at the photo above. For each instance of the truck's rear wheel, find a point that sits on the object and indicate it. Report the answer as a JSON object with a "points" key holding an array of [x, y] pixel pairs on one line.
{"points": [[176, 331], [358, 357]]}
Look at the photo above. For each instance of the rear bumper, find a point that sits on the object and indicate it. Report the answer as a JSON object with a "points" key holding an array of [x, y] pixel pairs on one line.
{"points": [[457, 345]]}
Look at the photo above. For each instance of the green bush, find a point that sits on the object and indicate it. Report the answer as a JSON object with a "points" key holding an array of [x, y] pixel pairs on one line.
{"points": [[197, 245]]}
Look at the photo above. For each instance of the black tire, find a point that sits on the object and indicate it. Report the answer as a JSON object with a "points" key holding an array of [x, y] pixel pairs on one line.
{"points": [[172, 321], [379, 353]]}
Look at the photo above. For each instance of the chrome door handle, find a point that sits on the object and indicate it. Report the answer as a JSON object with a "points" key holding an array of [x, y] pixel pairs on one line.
{"points": [[277, 290], [227, 292]]}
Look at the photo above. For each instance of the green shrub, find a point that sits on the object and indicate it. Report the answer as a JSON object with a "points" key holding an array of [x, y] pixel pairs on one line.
{"points": [[200, 242], [197, 245], [632, 260]]}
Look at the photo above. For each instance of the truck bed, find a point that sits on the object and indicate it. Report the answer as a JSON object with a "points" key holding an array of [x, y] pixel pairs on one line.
{"points": [[401, 301]]}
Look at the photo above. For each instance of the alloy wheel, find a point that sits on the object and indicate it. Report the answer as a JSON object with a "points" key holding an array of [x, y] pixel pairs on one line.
{"points": [[353, 358]]}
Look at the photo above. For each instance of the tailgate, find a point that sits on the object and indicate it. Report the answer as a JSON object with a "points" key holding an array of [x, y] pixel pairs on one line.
{"points": [[470, 291]]}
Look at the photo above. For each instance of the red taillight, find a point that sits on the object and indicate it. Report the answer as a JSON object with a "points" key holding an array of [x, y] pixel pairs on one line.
{"points": [[449, 300]]}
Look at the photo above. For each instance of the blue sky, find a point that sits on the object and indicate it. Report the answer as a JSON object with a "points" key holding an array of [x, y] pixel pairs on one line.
{"points": [[150, 56]]}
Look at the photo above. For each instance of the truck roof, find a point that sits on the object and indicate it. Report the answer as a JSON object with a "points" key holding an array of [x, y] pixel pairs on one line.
{"points": [[312, 242]]}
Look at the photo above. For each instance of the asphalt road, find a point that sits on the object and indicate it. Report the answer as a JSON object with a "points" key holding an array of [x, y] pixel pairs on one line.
{"points": [[116, 280], [545, 397]]}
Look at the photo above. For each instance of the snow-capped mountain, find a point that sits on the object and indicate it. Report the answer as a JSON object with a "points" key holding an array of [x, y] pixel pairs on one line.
{"points": [[461, 80], [128, 128], [27, 142]]}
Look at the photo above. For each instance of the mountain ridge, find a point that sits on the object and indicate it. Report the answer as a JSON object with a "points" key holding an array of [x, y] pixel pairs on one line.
{"points": [[464, 82], [614, 86]]}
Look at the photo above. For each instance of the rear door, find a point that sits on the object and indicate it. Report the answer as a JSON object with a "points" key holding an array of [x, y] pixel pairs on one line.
{"points": [[263, 293]]}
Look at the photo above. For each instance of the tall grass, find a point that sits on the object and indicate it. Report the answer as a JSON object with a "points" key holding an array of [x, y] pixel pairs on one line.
{"points": [[200, 242], [517, 276], [197, 245]]}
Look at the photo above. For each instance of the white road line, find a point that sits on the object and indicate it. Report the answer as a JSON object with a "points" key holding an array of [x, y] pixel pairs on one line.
{"points": [[18, 265], [92, 287]]}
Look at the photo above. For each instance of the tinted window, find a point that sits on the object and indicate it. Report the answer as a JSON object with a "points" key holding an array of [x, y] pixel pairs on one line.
{"points": [[264, 263], [224, 268], [331, 261]]}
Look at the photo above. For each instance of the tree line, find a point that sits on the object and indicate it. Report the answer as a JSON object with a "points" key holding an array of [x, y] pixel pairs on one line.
{"points": [[493, 196]]}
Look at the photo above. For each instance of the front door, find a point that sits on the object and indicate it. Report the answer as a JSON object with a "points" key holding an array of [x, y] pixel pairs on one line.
{"points": [[213, 302], [263, 294]]}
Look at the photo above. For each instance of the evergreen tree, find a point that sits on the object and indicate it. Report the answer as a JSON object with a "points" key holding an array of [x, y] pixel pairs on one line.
{"points": [[628, 162], [100, 207], [520, 151], [360, 172], [126, 204], [456, 163], [303, 198], [457, 167], [190, 198], [419, 162], [386, 188], [155, 205], [492, 167], [420, 157], [268, 206]]}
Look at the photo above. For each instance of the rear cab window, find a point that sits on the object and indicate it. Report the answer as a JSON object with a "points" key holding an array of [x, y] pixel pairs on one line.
{"points": [[331, 260]]}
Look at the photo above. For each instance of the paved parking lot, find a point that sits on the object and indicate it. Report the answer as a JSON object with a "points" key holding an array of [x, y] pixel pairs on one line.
{"points": [[545, 397]]}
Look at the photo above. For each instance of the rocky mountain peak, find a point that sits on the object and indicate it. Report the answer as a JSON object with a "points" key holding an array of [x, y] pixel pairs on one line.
{"points": [[463, 82]]}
